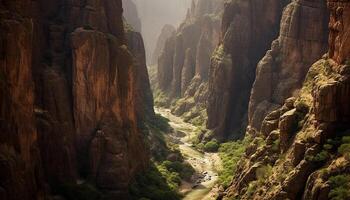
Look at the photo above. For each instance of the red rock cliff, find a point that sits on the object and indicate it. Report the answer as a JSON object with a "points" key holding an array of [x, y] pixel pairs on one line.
{"points": [[302, 41], [248, 27], [70, 86]]}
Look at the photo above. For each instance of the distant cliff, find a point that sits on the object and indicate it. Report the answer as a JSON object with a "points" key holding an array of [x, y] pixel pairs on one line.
{"points": [[183, 64]]}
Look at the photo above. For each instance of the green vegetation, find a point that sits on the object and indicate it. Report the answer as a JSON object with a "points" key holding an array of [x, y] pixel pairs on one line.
{"points": [[156, 183], [163, 178], [340, 187], [211, 146], [320, 157], [160, 99], [230, 153], [252, 187], [276, 145], [344, 148], [319, 73]]}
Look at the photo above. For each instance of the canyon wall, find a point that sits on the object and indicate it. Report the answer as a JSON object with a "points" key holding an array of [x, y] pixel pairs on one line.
{"points": [[247, 30], [303, 145], [302, 40], [72, 83], [183, 65]]}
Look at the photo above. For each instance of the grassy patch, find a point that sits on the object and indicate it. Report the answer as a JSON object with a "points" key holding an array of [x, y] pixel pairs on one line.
{"points": [[230, 153], [340, 187]]}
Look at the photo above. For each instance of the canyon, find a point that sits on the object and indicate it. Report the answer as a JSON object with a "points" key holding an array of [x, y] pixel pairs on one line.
{"points": [[235, 99]]}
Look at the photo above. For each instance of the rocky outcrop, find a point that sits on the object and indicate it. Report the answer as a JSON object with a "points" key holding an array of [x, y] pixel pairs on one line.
{"points": [[74, 91], [302, 40], [166, 33], [247, 30], [302, 154], [302, 143], [339, 25], [131, 15]]}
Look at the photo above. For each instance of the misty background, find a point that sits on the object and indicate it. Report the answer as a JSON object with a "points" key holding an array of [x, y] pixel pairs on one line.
{"points": [[154, 14]]}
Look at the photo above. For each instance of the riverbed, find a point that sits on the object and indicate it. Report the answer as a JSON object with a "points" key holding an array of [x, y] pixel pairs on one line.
{"points": [[206, 165]]}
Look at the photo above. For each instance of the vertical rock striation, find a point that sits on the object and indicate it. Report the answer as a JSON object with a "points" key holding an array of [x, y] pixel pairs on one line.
{"points": [[183, 65], [166, 33], [248, 27], [74, 92], [302, 41]]}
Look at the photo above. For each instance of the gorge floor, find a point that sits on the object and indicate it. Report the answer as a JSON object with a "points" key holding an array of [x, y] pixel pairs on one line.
{"points": [[204, 182]]}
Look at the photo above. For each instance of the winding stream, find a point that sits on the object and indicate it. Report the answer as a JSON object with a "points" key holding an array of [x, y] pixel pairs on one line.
{"points": [[206, 165]]}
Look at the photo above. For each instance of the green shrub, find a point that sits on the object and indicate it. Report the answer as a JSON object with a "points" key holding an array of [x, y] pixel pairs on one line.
{"points": [[184, 170], [230, 154], [346, 139], [344, 148], [160, 123], [340, 187], [320, 157], [328, 147], [252, 187], [157, 183], [211, 146]]}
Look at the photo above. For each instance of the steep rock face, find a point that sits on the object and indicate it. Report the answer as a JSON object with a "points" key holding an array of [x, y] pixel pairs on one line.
{"points": [[197, 35], [166, 32], [184, 62], [19, 153], [302, 41], [144, 97], [339, 24], [82, 120], [131, 14], [247, 30], [301, 151]]}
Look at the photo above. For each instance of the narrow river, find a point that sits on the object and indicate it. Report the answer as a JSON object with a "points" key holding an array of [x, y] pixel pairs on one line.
{"points": [[206, 165]]}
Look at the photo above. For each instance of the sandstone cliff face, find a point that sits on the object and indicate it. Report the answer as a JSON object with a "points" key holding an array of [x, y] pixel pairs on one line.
{"points": [[81, 120], [248, 27], [19, 153], [190, 45], [302, 41], [301, 150], [339, 25], [183, 65], [166, 33]]}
